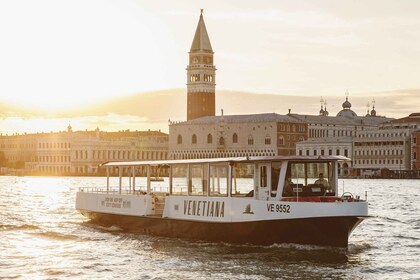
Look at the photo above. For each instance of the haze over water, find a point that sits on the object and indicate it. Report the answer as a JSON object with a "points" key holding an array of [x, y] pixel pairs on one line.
{"points": [[44, 237]]}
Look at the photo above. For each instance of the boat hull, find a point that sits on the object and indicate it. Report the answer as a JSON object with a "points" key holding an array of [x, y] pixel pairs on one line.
{"points": [[325, 231]]}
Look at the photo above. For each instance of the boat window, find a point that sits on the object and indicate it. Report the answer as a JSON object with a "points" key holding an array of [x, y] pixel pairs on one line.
{"points": [[275, 174], [297, 175], [309, 179], [180, 179], [198, 179], [317, 170], [243, 180], [218, 180], [263, 176]]}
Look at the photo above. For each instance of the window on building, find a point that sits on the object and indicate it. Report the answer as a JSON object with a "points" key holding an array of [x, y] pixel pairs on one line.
{"points": [[209, 139], [315, 152], [322, 152], [267, 140], [221, 141], [300, 152], [281, 140], [250, 140], [179, 139], [337, 152], [194, 139], [235, 138], [346, 153], [307, 152]]}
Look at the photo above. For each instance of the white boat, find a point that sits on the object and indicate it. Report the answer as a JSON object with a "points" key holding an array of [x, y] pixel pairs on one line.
{"points": [[256, 200]]}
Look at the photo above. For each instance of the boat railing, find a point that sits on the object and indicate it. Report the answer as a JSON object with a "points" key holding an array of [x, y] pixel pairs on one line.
{"points": [[136, 191]]}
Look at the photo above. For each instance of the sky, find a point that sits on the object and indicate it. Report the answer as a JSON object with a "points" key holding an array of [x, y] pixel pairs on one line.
{"points": [[56, 55]]}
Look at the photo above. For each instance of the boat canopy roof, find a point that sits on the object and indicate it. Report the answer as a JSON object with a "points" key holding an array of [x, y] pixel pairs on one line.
{"points": [[224, 160]]}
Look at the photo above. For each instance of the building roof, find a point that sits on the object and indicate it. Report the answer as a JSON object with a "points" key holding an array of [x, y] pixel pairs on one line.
{"points": [[251, 118], [201, 41], [343, 120], [412, 118]]}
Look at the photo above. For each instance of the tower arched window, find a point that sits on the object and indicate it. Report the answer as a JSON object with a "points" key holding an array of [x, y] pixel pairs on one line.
{"points": [[209, 139], [194, 139], [179, 139], [250, 140], [235, 138]]}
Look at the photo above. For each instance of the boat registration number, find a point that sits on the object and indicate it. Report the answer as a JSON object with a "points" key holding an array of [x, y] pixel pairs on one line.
{"points": [[280, 208]]}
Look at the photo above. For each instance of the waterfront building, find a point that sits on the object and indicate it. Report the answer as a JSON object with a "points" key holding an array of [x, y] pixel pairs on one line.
{"points": [[333, 135], [81, 152], [205, 135], [236, 135], [389, 147]]}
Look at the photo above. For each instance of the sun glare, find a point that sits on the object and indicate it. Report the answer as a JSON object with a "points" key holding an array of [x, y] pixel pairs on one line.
{"points": [[64, 58]]}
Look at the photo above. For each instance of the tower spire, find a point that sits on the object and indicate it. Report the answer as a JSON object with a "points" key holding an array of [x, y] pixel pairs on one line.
{"points": [[201, 39]]}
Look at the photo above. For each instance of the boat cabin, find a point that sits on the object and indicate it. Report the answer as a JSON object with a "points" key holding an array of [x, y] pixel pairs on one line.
{"points": [[262, 178]]}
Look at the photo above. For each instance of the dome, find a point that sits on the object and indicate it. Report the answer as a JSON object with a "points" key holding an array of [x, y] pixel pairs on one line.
{"points": [[373, 112], [346, 113], [346, 104]]}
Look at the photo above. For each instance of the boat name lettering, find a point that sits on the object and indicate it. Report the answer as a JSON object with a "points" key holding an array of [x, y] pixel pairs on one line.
{"points": [[280, 208], [204, 208], [115, 202]]}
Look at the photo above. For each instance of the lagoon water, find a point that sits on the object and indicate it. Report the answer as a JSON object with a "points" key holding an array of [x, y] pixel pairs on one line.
{"points": [[42, 236]]}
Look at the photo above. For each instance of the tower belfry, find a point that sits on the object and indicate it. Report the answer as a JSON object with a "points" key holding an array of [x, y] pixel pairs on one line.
{"points": [[201, 74]]}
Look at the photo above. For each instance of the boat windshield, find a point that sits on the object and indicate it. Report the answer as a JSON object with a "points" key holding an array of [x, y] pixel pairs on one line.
{"points": [[309, 178]]}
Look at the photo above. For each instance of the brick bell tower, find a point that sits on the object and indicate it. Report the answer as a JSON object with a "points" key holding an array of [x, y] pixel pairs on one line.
{"points": [[201, 75]]}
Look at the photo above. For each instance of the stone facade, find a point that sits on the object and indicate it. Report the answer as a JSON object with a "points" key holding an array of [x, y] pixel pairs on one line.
{"points": [[334, 135], [390, 146], [234, 136]]}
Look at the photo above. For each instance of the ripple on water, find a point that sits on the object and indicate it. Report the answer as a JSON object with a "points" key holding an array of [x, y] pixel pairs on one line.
{"points": [[56, 235], [19, 227]]}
